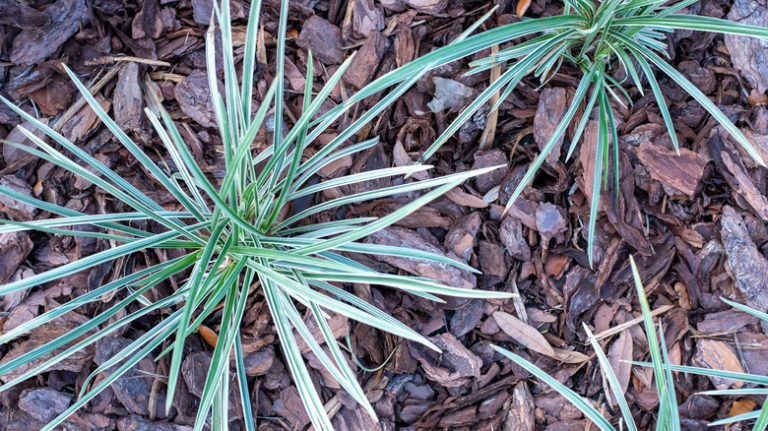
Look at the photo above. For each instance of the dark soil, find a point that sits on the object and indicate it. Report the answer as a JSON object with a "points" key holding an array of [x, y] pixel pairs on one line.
{"points": [[695, 223]]}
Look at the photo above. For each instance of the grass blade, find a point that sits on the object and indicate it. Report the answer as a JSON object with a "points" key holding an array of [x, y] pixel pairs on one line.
{"points": [[572, 397]]}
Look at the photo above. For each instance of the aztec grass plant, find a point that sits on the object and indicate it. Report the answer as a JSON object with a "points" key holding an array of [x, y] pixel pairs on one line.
{"points": [[236, 240], [667, 415], [597, 39]]}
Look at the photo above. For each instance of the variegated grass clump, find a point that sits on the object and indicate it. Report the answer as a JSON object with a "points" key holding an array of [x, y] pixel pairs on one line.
{"points": [[236, 239], [594, 39]]}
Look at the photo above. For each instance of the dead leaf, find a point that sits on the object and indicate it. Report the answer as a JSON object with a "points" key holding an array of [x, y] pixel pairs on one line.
{"points": [[619, 355], [449, 94], [208, 335], [742, 406], [428, 6], [460, 197], [524, 334], [400, 157], [522, 7], [570, 356]]}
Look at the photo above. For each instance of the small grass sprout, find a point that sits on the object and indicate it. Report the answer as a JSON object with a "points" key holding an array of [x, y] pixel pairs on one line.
{"points": [[234, 237], [595, 39]]}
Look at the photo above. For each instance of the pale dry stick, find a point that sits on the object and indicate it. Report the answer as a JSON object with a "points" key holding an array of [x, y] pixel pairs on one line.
{"points": [[489, 133], [153, 396], [166, 76], [616, 329], [261, 46], [111, 59]]}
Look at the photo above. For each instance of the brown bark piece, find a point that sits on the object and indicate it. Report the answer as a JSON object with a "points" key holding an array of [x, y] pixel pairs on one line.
{"points": [[748, 53], [194, 98], [681, 172], [745, 187], [550, 112], [443, 273], [717, 355], [748, 266], [323, 39], [128, 101], [38, 43]]}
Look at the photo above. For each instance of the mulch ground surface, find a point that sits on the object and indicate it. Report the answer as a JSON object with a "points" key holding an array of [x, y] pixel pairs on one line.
{"points": [[696, 223]]}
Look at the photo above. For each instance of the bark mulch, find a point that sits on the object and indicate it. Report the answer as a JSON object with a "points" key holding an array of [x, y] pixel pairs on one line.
{"points": [[696, 223]]}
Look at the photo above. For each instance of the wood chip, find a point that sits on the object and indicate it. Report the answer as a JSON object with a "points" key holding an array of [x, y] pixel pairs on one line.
{"points": [[43, 404], [717, 355], [323, 39], [19, 15], [520, 415], [194, 98], [14, 249], [38, 43], [747, 53], [745, 187], [681, 172], [367, 60], [444, 273], [128, 99], [454, 367], [550, 112], [747, 263], [134, 387]]}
